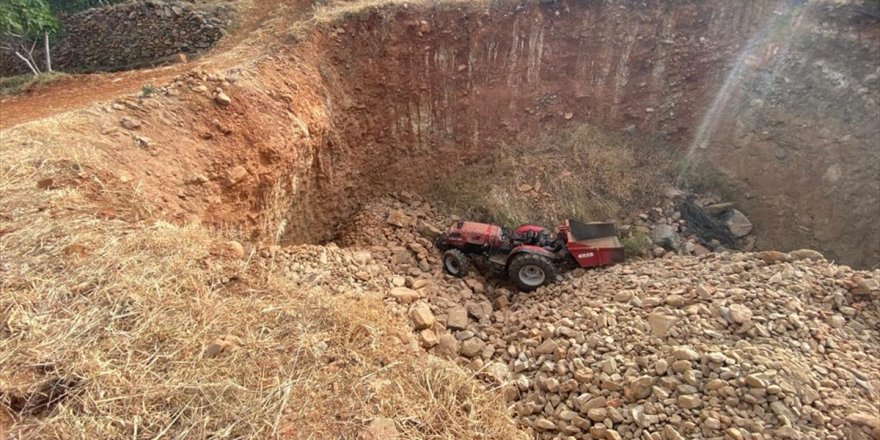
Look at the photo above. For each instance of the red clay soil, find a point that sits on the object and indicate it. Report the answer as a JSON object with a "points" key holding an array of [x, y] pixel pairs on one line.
{"points": [[77, 91]]}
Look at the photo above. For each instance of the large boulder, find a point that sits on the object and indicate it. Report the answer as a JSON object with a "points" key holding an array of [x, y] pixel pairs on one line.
{"points": [[737, 222], [421, 316], [457, 319], [667, 236]]}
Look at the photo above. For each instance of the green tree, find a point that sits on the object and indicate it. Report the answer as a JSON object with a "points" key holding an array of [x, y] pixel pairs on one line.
{"points": [[23, 23], [70, 6]]}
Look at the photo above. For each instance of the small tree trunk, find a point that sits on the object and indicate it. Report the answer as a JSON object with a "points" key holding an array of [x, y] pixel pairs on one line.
{"points": [[46, 47], [32, 63], [30, 66]]}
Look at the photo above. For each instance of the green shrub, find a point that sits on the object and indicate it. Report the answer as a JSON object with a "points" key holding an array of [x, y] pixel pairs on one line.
{"points": [[636, 243], [148, 90]]}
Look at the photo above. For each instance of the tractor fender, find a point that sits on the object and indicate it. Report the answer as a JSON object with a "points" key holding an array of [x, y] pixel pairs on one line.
{"points": [[530, 249], [522, 229]]}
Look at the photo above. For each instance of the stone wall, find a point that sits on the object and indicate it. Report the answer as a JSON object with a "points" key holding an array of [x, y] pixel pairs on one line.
{"points": [[129, 35]]}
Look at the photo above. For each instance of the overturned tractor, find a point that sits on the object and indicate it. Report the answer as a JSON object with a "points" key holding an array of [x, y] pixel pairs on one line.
{"points": [[530, 255]]}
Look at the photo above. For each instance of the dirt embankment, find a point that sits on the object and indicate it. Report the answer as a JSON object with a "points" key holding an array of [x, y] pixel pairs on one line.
{"points": [[396, 98], [399, 98]]}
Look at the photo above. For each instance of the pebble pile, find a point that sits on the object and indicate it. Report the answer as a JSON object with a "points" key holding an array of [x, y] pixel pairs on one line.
{"points": [[765, 345]]}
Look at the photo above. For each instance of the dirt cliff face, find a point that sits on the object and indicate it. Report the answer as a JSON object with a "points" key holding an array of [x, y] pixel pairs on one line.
{"points": [[465, 79], [782, 99], [801, 134], [413, 94], [439, 89]]}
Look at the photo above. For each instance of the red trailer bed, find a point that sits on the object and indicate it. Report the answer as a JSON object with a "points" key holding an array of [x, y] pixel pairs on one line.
{"points": [[592, 244]]}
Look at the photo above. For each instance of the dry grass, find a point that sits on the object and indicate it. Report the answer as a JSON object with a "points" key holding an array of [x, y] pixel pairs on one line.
{"points": [[18, 84], [584, 173], [104, 326], [334, 11]]}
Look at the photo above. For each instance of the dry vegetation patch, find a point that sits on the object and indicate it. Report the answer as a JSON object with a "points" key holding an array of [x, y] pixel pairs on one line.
{"points": [[584, 172], [15, 85], [127, 326]]}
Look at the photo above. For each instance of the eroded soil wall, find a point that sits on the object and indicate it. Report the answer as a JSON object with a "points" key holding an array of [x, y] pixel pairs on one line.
{"points": [[416, 93], [397, 98], [800, 134]]}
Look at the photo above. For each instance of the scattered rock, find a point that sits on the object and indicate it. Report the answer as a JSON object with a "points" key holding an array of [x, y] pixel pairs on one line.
{"points": [[222, 98], [773, 257], [865, 286], [457, 318], [428, 338], [689, 401], [124, 176], [862, 419], [421, 315], [544, 424], [143, 141], [737, 222], [404, 295], [640, 388], [236, 175], [447, 346], [597, 414], [740, 314], [429, 231], [399, 219], [806, 254], [220, 346], [130, 123], [233, 249], [379, 429], [197, 179], [661, 324], [472, 347]]}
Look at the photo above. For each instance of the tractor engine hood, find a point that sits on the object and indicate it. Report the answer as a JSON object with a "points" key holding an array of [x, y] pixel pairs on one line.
{"points": [[474, 233]]}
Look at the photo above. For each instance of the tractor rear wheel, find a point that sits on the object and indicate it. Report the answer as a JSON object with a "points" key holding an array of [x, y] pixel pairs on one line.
{"points": [[531, 271], [455, 263]]}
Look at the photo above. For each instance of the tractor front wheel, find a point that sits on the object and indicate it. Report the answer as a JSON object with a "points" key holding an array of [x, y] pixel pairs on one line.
{"points": [[531, 271], [455, 263]]}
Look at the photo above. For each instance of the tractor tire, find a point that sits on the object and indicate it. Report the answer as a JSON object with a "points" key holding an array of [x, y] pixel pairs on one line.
{"points": [[455, 263], [531, 271]]}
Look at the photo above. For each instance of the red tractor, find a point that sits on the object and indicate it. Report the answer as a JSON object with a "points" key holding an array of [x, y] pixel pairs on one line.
{"points": [[531, 255]]}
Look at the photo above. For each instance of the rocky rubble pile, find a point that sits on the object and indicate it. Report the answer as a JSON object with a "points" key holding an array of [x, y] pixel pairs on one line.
{"points": [[670, 232], [337, 270], [763, 345], [727, 345], [766, 345]]}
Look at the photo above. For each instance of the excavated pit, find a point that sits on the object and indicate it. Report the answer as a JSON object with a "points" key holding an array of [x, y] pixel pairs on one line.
{"points": [[401, 99], [406, 96], [776, 103]]}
